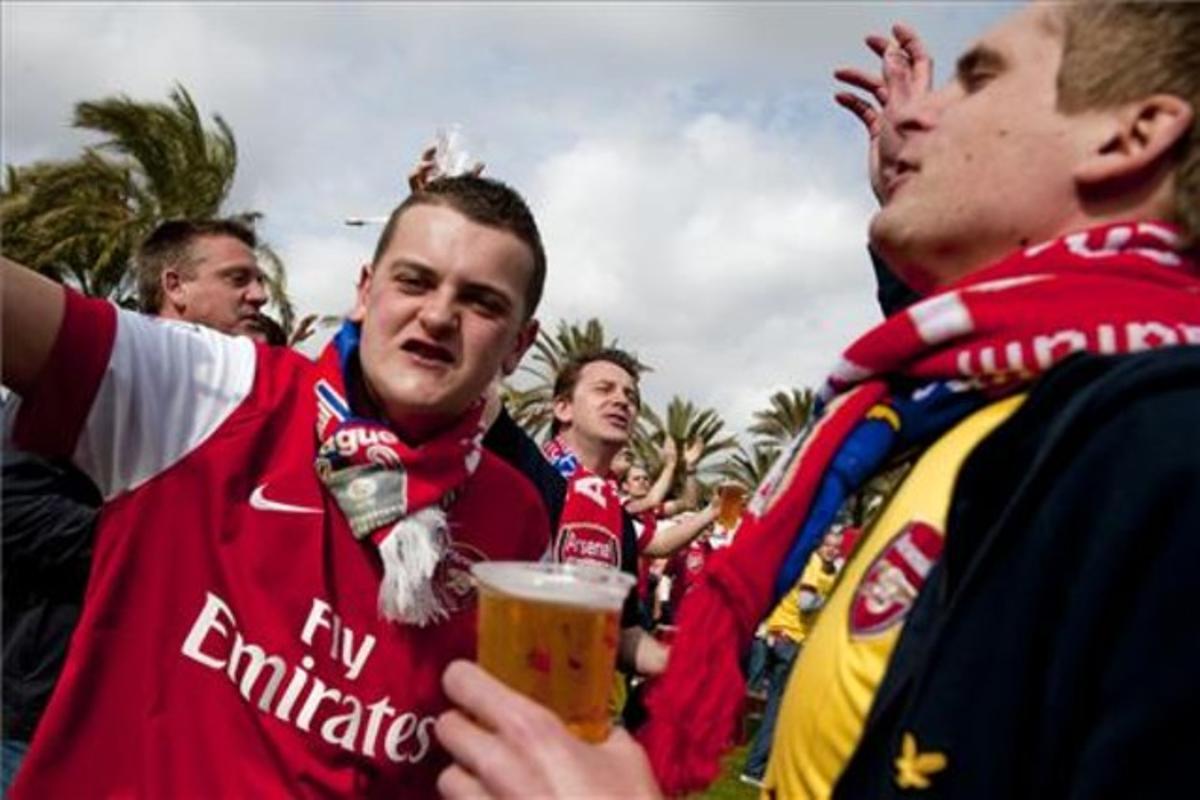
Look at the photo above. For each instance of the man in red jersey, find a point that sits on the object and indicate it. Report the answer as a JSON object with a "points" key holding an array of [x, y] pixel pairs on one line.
{"points": [[281, 567]]}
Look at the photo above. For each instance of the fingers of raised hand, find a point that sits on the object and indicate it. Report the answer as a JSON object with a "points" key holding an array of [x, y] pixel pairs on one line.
{"points": [[866, 81], [424, 170], [877, 43], [860, 108], [911, 42]]}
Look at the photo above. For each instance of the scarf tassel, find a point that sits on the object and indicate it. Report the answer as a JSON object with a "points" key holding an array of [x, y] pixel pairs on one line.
{"points": [[411, 551]]}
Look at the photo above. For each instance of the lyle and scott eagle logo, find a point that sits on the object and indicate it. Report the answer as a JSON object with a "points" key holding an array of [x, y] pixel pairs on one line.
{"points": [[913, 767]]}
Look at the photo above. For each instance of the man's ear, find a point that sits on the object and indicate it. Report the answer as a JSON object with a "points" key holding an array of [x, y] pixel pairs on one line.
{"points": [[173, 288], [361, 289], [525, 340], [562, 411], [1136, 136]]}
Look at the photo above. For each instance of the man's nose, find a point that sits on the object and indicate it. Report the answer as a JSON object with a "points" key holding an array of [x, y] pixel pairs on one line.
{"points": [[438, 313], [256, 293]]}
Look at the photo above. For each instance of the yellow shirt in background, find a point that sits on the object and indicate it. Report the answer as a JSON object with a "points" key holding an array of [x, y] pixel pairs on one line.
{"points": [[787, 617], [843, 661]]}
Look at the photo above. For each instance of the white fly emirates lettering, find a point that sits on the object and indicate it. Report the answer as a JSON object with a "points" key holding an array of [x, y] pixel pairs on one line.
{"points": [[306, 702]]}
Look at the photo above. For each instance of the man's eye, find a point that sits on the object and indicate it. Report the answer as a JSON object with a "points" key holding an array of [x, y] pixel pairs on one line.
{"points": [[490, 306], [975, 80]]}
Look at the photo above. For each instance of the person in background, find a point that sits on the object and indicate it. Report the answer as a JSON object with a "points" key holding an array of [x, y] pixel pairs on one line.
{"points": [[786, 629]]}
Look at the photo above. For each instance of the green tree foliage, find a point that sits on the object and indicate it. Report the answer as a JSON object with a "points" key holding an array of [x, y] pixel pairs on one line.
{"points": [[787, 413], [749, 465], [684, 422]]}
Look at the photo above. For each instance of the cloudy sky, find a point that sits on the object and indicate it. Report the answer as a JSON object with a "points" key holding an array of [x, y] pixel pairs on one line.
{"points": [[696, 186]]}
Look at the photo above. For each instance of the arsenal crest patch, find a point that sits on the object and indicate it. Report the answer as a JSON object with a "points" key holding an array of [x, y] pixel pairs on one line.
{"points": [[452, 581], [586, 543], [895, 578]]}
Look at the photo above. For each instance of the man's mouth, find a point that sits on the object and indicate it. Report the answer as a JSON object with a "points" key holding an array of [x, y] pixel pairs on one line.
{"points": [[897, 173], [620, 420], [428, 351]]}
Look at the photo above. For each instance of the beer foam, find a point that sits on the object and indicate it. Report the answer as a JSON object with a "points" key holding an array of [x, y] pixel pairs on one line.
{"points": [[568, 584]]}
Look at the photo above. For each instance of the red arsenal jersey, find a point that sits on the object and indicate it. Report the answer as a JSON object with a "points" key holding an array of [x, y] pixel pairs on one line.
{"points": [[685, 567], [230, 644]]}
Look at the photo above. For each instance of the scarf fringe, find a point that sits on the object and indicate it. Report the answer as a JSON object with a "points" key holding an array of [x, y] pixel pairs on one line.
{"points": [[693, 720], [411, 552]]}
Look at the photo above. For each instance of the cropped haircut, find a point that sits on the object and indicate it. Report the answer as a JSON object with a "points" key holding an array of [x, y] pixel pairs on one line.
{"points": [[568, 376], [486, 202], [1119, 52], [170, 245]]}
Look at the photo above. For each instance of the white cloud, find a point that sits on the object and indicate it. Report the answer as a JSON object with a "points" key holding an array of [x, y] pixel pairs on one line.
{"points": [[713, 251]]}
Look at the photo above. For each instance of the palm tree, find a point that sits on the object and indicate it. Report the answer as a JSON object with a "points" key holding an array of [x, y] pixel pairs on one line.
{"points": [[82, 219], [684, 422], [71, 220], [182, 168], [786, 415], [748, 466]]}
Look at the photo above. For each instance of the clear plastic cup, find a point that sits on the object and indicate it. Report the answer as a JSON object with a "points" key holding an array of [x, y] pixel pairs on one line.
{"points": [[550, 631], [453, 153]]}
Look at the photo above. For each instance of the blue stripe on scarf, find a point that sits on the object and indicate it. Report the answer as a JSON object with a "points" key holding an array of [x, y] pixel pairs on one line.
{"points": [[345, 341], [925, 412]]}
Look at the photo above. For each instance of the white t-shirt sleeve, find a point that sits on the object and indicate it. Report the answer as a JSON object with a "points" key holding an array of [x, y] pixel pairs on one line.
{"points": [[145, 393]]}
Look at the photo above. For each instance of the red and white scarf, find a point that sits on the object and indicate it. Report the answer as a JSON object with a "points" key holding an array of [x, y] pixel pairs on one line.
{"points": [[1119, 288], [391, 492], [591, 526]]}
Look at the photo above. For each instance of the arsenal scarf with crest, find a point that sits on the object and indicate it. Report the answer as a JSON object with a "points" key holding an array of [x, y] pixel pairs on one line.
{"points": [[1119, 288], [591, 525], [391, 492]]}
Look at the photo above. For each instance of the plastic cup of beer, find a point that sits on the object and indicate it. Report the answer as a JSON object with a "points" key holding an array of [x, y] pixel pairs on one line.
{"points": [[550, 631], [731, 502]]}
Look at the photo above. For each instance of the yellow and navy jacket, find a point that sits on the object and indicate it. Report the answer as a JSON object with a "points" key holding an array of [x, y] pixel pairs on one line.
{"points": [[1054, 650]]}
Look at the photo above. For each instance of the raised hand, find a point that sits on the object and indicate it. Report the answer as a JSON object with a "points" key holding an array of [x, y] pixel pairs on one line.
{"points": [[426, 169], [668, 451], [906, 74]]}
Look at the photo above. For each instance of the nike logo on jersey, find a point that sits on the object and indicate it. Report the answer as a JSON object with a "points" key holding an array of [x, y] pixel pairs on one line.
{"points": [[258, 500]]}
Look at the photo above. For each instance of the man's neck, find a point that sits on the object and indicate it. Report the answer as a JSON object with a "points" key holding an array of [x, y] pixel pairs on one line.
{"points": [[595, 455], [167, 312], [413, 428]]}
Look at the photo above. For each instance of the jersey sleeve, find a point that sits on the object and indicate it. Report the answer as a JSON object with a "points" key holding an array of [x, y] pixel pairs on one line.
{"points": [[125, 396], [646, 525]]}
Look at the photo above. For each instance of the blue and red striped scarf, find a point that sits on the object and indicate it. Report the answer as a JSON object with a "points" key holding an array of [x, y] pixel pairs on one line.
{"points": [[392, 492]]}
